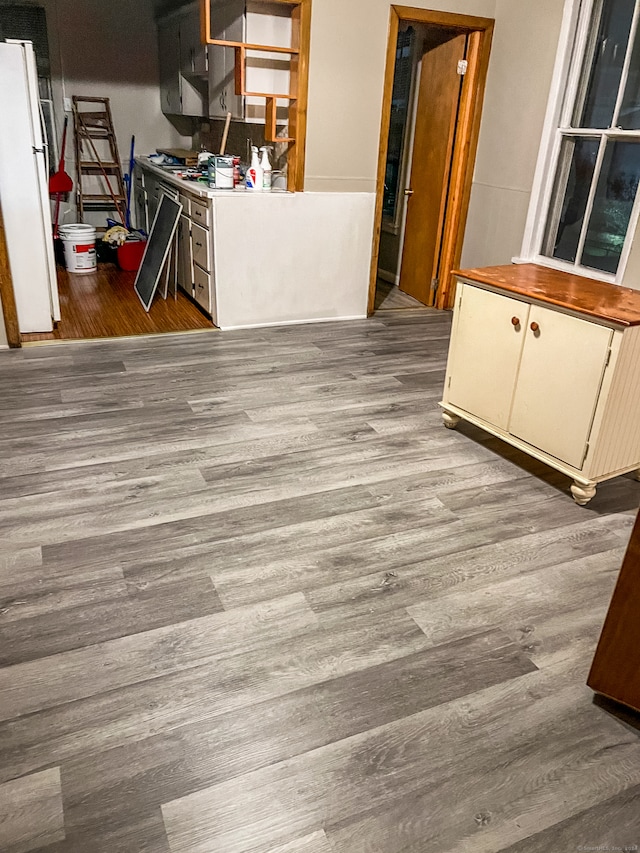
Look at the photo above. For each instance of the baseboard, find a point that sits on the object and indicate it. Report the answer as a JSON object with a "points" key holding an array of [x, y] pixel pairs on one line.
{"points": [[385, 275], [293, 322]]}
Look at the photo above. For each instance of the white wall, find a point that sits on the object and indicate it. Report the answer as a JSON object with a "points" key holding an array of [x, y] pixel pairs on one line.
{"points": [[522, 60], [346, 80], [347, 65], [110, 49], [318, 271]]}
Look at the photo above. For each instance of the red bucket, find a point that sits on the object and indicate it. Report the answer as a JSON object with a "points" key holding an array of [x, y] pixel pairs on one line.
{"points": [[130, 255]]}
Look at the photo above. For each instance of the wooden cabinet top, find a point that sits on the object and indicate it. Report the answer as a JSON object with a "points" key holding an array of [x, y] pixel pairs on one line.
{"points": [[601, 300]]}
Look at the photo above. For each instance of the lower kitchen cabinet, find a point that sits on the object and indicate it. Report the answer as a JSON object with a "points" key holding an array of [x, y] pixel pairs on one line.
{"points": [[562, 386], [202, 288], [201, 248], [616, 665], [185, 255], [195, 254]]}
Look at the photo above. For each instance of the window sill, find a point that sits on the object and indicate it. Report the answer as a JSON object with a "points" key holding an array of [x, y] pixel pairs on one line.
{"points": [[551, 263]]}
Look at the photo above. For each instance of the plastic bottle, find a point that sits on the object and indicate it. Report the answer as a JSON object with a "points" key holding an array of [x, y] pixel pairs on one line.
{"points": [[266, 169], [255, 175]]}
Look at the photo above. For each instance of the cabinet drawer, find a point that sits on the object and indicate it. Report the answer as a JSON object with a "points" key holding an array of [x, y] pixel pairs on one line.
{"points": [[185, 201], [203, 287], [200, 241], [200, 213]]}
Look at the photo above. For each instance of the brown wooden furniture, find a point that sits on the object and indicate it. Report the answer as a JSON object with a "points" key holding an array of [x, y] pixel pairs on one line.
{"points": [[298, 52], [615, 671]]}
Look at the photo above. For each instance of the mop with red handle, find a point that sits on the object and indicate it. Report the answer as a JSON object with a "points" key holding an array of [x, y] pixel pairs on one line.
{"points": [[60, 182]]}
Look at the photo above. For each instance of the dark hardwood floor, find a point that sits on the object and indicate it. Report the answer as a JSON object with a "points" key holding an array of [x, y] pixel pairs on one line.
{"points": [[105, 305], [254, 598]]}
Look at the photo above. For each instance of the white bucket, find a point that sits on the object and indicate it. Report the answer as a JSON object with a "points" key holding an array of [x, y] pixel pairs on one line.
{"points": [[79, 247]]}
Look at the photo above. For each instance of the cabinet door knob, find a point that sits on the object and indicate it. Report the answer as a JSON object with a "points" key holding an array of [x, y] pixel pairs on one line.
{"points": [[515, 321], [534, 327]]}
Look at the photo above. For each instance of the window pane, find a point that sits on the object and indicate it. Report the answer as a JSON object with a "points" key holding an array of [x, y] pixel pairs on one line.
{"points": [[602, 69], [612, 206], [570, 193], [629, 117]]}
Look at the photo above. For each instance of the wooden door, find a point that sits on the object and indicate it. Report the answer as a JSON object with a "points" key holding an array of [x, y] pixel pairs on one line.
{"points": [[436, 116], [559, 382], [616, 665], [484, 354]]}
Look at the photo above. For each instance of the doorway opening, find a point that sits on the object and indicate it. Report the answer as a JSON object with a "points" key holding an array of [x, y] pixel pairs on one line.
{"points": [[435, 78]]}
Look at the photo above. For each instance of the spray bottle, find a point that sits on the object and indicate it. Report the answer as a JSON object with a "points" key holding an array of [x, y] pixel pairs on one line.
{"points": [[255, 175], [267, 172]]}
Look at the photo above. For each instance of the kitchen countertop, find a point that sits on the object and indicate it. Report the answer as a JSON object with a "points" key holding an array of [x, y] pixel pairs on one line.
{"points": [[198, 187], [608, 302]]}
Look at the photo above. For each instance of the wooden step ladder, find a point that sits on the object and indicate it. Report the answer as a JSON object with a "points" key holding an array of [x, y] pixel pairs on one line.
{"points": [[94, 136]]}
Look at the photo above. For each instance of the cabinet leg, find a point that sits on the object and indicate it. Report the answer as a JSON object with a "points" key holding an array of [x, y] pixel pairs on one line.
{"points": [[582, 493], [450, 421], [636, 474]]}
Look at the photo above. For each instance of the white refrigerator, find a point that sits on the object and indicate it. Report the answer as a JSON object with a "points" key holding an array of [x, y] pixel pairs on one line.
{"points": [[24, 189]]}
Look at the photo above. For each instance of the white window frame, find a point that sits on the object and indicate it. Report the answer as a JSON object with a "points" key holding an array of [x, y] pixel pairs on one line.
{"points": [[574, 34]]}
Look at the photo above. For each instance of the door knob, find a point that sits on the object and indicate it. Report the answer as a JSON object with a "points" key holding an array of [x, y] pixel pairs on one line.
{"points": [[515, 321], [408, 192], [534, 327]]}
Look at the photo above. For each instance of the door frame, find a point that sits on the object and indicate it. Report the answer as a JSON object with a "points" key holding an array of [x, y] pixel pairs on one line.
{"points": [[480, 32], [7, 295]]}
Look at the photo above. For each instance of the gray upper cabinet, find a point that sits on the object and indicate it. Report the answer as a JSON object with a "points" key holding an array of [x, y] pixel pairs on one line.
{"points": [[193, 54], [228, 23], [169, 56], [183, 64], [198, 79]]}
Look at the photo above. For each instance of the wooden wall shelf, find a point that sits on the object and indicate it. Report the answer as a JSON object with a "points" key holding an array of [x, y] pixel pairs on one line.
{"points": [[264, 48], [298, 51]]}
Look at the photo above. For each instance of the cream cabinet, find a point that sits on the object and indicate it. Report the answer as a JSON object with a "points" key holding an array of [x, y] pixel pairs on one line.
{"points": [[560, 385]]}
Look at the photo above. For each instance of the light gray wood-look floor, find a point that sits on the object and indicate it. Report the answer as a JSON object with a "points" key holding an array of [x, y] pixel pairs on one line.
{"points": [[389, 297], [254, 598]]}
